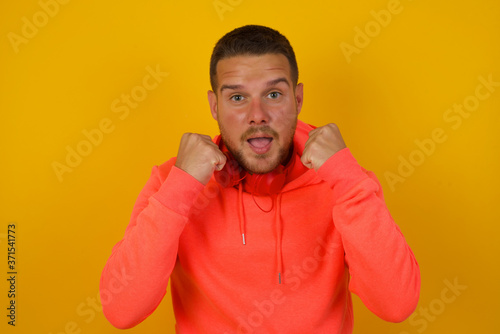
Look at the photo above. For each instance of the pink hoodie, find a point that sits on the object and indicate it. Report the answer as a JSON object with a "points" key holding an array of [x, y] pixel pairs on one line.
{"points": [[326, 234]]}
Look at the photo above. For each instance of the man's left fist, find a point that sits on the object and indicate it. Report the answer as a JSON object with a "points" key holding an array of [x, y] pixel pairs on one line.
{"points": [[323, 142]]}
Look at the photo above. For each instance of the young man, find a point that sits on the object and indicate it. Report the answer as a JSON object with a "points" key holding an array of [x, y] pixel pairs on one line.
{"points": [[269, 227]]}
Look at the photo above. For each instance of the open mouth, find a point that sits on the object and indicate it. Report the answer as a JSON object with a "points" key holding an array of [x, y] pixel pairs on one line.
{"points": [[260, 145], [260, 142]]}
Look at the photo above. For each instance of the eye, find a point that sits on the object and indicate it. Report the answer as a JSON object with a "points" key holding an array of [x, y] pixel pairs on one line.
{"points": [[274, 95], [237, 98]]}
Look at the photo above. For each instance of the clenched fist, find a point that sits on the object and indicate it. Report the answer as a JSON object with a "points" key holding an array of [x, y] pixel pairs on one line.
{"points": [[323, 142], [199, 156]]}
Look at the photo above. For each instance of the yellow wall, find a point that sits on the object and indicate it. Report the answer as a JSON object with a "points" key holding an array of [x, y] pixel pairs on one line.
{"points": [[65, 67]]}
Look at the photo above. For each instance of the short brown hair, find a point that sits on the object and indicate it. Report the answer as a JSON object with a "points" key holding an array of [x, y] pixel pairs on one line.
{"points": [[252, 40]]}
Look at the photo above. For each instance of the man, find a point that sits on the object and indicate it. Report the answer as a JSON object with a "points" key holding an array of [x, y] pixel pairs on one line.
{"points": [[268, 227]]}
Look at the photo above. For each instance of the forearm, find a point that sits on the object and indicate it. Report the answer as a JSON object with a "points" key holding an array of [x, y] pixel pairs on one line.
{"points": [[144, 259], [384, 272]]}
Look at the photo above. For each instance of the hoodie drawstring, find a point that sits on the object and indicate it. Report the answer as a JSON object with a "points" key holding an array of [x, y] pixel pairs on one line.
{"points": [[279, 250], [277, 222], [241, 214]]}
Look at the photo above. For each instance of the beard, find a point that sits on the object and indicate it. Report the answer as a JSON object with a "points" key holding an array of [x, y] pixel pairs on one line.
{"points": [[260, 163]]}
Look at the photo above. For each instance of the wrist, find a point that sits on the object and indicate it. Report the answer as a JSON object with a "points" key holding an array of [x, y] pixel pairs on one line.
{"points": [[179, 191], [341, 171]]}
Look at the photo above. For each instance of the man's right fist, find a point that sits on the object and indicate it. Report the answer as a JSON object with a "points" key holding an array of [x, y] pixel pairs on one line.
{"points": [[199, 156]]}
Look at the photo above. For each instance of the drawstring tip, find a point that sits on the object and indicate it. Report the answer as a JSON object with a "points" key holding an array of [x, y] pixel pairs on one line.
{"points": [[243, 236], [279, 278]]}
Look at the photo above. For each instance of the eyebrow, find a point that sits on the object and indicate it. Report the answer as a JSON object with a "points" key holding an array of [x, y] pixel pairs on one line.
{"points": [[268, 84], [232, 87], [277, 81]]}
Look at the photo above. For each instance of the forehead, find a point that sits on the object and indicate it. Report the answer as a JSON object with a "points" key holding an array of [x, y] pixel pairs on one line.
{"points": [[251, 69]]}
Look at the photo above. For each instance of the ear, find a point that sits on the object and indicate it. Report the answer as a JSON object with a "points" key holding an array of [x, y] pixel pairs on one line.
{"points": [[299, 96], [212, 101]]}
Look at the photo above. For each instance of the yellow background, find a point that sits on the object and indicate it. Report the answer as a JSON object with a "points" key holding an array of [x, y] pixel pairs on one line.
{"points": [[393, 91]]}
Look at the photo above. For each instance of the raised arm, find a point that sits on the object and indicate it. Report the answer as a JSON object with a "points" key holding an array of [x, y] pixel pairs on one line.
{"points": [[136, 274], [384, 272]]}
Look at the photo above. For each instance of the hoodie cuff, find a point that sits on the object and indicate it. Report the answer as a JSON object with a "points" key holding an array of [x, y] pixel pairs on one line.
{"points": [[342, 172], [179, 191]]}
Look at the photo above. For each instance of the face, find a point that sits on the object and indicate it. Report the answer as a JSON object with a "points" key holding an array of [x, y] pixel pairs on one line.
{"points": [[256, 106]]}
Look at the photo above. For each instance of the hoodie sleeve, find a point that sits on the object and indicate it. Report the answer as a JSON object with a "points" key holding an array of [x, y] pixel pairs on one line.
{"points": [[135, 277], [383, 269]]}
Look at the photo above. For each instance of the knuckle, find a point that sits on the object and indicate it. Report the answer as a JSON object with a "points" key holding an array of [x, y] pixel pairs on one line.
{"points": [[333, 126]]}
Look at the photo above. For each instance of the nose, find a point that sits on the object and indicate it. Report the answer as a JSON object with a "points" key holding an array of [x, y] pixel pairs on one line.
{"points": [[257, 115]]}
